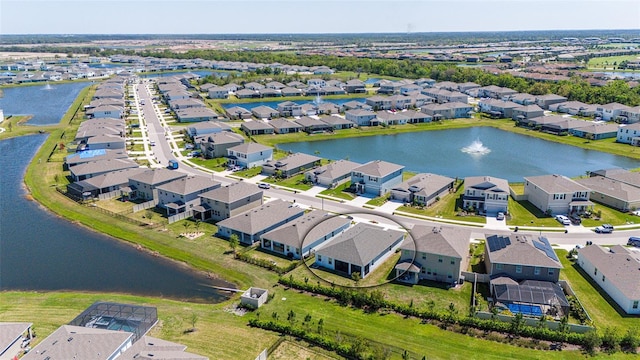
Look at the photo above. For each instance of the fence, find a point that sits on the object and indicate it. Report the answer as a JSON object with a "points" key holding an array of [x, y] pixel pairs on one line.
{"points": [[110, 195], [119, 216], [517, 197], [553, 325], [144, 206], [569, 291], [471, 277], [181, 216]]}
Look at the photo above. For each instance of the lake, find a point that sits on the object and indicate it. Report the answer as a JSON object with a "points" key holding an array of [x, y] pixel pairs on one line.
{"points": [[40, 251], [47, 103], [510, 156]]}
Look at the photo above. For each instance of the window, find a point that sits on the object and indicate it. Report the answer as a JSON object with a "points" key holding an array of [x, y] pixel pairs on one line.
{"points": [[449, 276], [536, 271], [330, 260], [550, 272], [635, 304], [439, 259], [429, 271], [319, 257], [518, 269], [423, 270], [595, 271], [453, 261], [602, 277], [424, 256], [498, 266]]}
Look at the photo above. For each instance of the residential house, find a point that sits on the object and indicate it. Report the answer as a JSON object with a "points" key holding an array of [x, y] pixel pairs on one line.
{"points": [[275, 85], [92, 155], [238, 113], [444, 96], [290, 165], [572, 108], [563, 127], [94, 168], [594, 131], [158, 349], [196, 115], [629, 134], [446, 85], [497, 108], [539, 122], [249, 155], [361, 249], [379, 102], [289, 108], [494, 91], [521, 98], [557, 194], [355, 86], [391, 118], [400, 102], [337, 123], [290, 91], [227, 201], [390, 87], [247, 94], [327, 108], [486, 194], [434, 253], [284, 126], [355, 105], [452, 110], [256, 128], [316, 83], [264, 112], [105, 111], [407, 89], [312, 126], [253, 86], [526, 112], [611, 111], [419, 99], [361, 117], [267, 92], [465, 87], [143, 186], [206, 128], [251, 224], [630, 115], [218, 92], [332, 174], [14, 337], [309, 109], [415, 117], [376, 177], [302, 236], [182, 104], [521, 257], [216, 145], [616, 270], [423, 189], [102, 184], [182, 194], [544, 101], [613, 193]]}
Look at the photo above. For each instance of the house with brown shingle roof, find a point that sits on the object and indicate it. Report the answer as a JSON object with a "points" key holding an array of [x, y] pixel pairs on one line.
{"points": [[616, 270]]}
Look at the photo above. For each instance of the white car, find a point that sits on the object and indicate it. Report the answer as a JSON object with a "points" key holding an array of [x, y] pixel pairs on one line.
{"points": [[264, 186], [562, 219]]}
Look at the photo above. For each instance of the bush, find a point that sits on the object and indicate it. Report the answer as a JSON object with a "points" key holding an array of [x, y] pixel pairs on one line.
{"points": [[630, 341], [610, 340]]}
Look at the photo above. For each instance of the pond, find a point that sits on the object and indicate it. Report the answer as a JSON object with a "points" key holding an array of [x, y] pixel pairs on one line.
{"points": [[40, 251], [468, 152], [47, 103]]}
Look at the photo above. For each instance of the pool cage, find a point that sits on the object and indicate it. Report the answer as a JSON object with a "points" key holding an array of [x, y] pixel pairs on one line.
{"points": [[118, 317], [531, 298]]}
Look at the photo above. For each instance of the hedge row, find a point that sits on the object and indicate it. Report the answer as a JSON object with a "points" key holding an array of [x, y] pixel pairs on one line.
{"points": [[266, 263]]}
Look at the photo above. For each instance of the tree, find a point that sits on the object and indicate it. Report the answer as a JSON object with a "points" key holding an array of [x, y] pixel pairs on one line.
{"points": [[631, 340], [149, 214], [234, 241], [197, 224], [321, 326], [355, 276], [186, 225], [517, 324], [291, 317], [194, 319], [591, 342], [611, 340]]}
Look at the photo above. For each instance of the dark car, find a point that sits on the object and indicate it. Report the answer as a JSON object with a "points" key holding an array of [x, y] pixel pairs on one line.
{"points": [[575, 219], [634, 241]]}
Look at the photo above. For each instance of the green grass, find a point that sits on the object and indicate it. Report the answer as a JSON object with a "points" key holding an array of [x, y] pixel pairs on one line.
{"points": [[380, 200], [249, 173], [339, 192], [294, 182], [606, 63], [217, 164], [602, 309], [609, 216], [524, 213]]}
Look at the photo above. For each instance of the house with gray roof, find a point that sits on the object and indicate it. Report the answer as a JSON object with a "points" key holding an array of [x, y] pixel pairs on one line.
{"points": [[450, 110], [337, 122], [92, 155], [376, 177], [147, 348], [256, 127], [544, 101], [182, 195], [12, 338], [247, 94], [497, 108], [181, 104], [249, 155], [625, 176], [312, 126], [378, 102], [354, 105], [332, 174], [290, 91], [434, 253], [557, 194], [391, 118], [290, 165], [216, 145], [284, 126], [102, 184], [94, 168], [355, 86], [361, 117], [206, 128], [629, 134], [217, 92], [611, 111], [613, 193], [250, 225], [416, 117], [595, 131], [485, 194], [494, 91], [521, 98], [143, 185], [105, 111], [300, 237], [264, 112], [361, 248], [521, 257], [197, 114], [526, 112], [81, 342], [616, 270], [238, 113], [267, 92], [423, 189], [289, 108], [227, 201], [327, 108]]}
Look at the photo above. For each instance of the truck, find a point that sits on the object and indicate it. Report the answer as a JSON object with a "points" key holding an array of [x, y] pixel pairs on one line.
{"points": [[173, 164]]}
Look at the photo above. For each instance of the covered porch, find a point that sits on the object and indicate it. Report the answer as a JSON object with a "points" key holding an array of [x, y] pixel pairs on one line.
{"points": [[580, 206], [175, 208], [408, 271]]}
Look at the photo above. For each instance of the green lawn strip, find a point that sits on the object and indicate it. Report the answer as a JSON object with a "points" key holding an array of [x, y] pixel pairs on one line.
{"points": [[217, 164], [49, 310], [476, 263], [248, 173], [379, 201], [339, 192], [600, 307], [524, 213], [394, 331], [607, 62], [609, 216], [518, 188], [294, 182], [447, 208]]}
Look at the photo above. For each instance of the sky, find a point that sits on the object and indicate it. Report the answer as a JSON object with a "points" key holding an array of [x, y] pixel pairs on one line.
{"points": [[311, 16]]}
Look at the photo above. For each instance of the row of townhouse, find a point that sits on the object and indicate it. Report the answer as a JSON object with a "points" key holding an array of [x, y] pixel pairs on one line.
{"points": [[561, 125], [181, 101], [108, 100]]}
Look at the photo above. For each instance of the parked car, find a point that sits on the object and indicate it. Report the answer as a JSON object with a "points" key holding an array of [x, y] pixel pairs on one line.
{"points": [[604, 229], [634, 241], [500, 216], [264, 186], [562, 219], [575, 219]]}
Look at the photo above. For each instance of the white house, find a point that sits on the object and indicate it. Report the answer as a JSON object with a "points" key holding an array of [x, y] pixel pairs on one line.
{"points": [[487, 194], [249, 155], [557, 194], [617, 271], [629, 134]]}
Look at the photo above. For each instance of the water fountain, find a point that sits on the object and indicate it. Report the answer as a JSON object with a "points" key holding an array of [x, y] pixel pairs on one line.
{"points": [[47, 87], [476, 148]]}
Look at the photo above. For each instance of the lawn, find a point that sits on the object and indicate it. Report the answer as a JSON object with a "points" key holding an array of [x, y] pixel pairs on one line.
{"points": [[217, 164], [294, 182], [602, 309], [249, 173], [607, 62], [447, 208], [524, 213], [339, 192], [380, 200], [609, 216]]}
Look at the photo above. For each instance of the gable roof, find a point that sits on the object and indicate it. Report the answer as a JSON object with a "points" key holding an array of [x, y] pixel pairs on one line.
{"points": [[613, 188], [378, 168], [555, 184], [233, 192], [149, 348], [619, 265], [445, 241], [263, 217], [157, 176], [102, 166], [518, 249], [249, 148], [361, 244], [280, 123], [335, 169], [306, 229], [189, 185]]}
